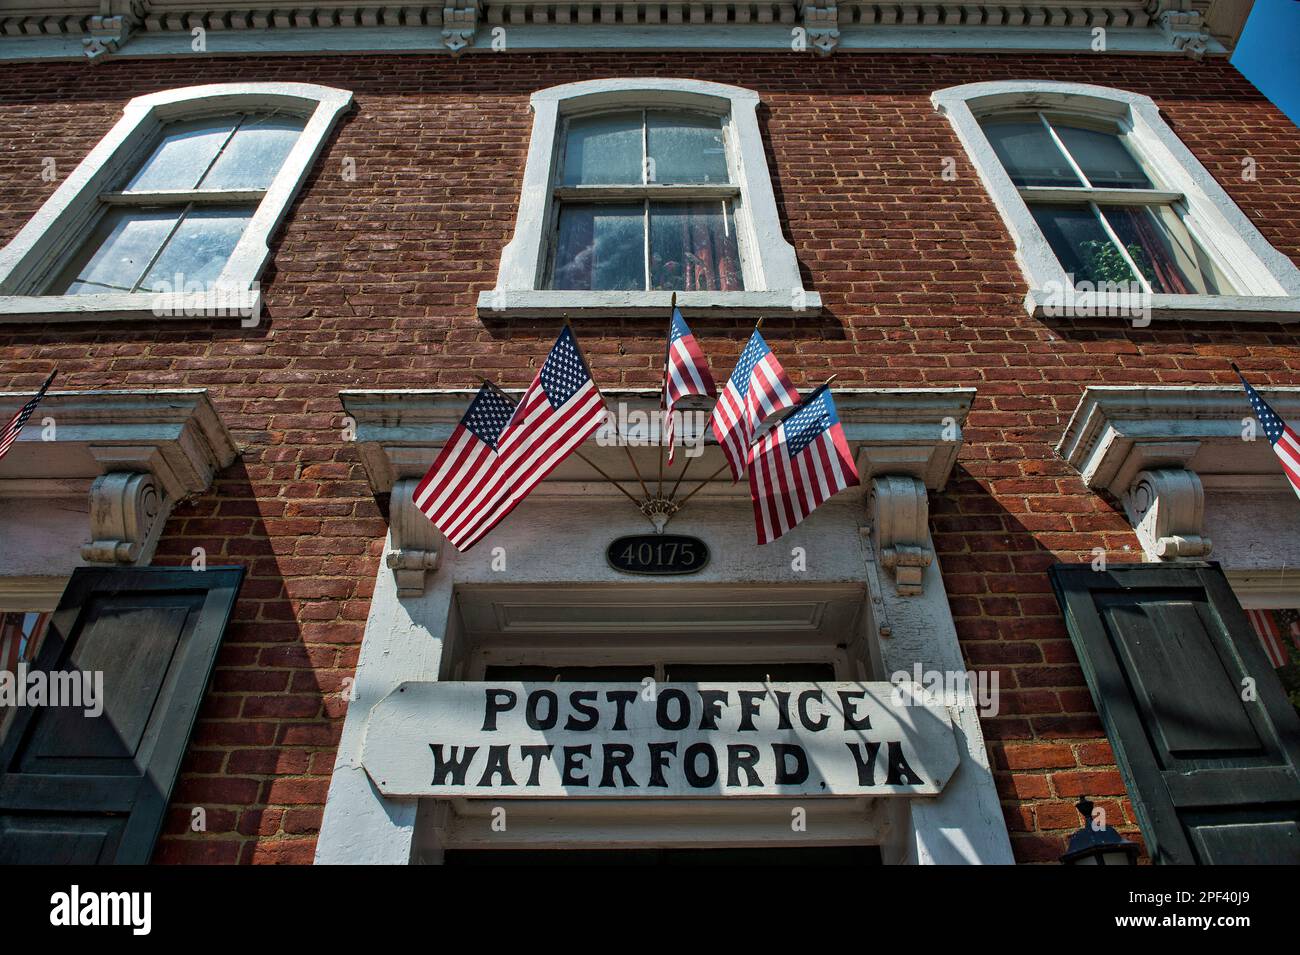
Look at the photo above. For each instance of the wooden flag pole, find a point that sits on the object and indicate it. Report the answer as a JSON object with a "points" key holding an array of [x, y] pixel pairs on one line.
{"points": [[663, 399]]}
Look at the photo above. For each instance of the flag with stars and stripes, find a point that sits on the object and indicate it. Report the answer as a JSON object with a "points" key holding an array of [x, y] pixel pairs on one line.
{"points": [[798, 466], [758, 387], [1275, 629], [468, 459], [557, 413], [1286, 445], [10, 433], [686, 372]]}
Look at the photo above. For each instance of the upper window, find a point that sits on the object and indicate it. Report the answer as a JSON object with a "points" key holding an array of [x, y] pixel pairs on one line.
{"points": [[171, 214], [638, 189], [1101, 196]]}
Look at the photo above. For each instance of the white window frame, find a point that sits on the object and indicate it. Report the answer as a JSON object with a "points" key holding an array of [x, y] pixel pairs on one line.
{"points": [[769, 265], [1268, 281], [65, 220]]}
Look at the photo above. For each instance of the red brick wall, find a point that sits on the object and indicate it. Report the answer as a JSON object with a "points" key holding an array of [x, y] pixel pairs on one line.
{"points": [[374, 282]]}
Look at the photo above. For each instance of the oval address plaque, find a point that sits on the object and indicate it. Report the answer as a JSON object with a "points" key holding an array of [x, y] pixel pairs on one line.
{"points": [[658, 554]]}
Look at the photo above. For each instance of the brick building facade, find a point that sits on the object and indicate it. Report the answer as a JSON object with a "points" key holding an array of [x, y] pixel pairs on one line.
{"points": [[374, 282]]}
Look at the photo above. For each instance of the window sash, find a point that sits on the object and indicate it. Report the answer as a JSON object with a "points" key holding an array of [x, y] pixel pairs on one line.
{"points": [[649, 198]]}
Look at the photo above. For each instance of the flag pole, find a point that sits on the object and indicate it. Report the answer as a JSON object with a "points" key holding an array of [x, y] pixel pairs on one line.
{"points": [[663, 394], [596, 385]]}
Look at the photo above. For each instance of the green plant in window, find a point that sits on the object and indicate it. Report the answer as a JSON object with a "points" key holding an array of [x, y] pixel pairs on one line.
{"points": [[1105, 264]]}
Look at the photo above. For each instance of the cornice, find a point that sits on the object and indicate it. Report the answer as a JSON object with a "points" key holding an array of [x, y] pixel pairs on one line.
{"points": [[108, 27]]}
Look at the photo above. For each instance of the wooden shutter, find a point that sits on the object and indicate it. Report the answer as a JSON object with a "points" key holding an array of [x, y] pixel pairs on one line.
{"points": [[76, 789], [1170, 656]]}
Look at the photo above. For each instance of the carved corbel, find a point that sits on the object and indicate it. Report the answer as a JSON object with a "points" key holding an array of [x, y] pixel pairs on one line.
{"points": [[1167, 509], [458, 27], [125, 507], [822, 21], [900, 519], [417, 545], [1185, 31]]}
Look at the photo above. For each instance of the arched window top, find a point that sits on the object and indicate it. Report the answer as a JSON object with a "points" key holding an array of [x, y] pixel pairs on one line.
{"points": [[591, 95], [1100, 194], [188, 183]]}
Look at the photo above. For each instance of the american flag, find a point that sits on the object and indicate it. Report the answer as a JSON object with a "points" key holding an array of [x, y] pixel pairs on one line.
{"points": [[1272, 627], [686, 372], [798, 466], [560, 410], [10, 433], [466, 460], [758, 387], [1286, 445]]}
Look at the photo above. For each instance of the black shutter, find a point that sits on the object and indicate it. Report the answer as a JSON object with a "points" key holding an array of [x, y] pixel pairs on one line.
{"points": [[1169, 656], [91, 790]]}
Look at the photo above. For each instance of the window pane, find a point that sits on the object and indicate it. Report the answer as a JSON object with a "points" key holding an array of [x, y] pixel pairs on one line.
{"points": [[1103, 157], [603, 150], [254, 154], [117, 252], [198, 251], [1081, 244], [184, 153], [1028, 154], [600, 247], [693, 247], [685, 148], [1170, 259]]}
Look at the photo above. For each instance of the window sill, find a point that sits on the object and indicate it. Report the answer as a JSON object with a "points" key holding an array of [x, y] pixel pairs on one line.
{"points": [[1142, 310], [516, 303], [244, 305]]}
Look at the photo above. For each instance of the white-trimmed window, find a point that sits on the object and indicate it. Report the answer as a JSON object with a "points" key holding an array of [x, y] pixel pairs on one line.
{"points": [[638, 189], [1110, 212], [172, 212]]}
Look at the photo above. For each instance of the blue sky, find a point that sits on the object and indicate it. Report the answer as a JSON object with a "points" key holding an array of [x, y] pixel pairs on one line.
{"points": [[1269, 53]]}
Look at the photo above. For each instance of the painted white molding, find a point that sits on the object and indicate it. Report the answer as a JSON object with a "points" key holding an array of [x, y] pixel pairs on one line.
{"points": [[65, 219], [1118, 431], [113, 464], [1166, 507], [1189, 466], [417, 544], [910, 438], [135, 28], [1268, 281], [899, 511], [771, 269]]}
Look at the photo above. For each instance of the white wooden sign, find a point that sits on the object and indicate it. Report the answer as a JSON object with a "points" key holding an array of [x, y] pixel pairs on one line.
{"points": [[506, 739]]}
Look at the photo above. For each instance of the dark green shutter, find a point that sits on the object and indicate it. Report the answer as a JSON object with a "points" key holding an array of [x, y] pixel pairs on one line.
{"points": [[1170, 656], [91, 790]]}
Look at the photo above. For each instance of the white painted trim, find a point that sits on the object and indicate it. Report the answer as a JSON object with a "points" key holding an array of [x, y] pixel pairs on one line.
{"points": [[771, 269], [1271, 280], [64, 218], [734, 37]]}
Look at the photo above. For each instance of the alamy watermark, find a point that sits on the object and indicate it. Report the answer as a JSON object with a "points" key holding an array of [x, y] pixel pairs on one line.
{"points": [[78, 689], [192, 298], [946, 688], [1084, 299], [644, 428]]}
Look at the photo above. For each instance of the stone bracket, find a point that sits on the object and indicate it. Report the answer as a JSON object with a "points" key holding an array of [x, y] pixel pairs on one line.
{"points": [[417, 544], [1167, 509], [899, 511], [1186, 31], [821, 20], [126, 513], [459, 24]]}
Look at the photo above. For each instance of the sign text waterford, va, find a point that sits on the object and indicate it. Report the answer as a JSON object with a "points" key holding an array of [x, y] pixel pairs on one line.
{"points": [[549, 740]]}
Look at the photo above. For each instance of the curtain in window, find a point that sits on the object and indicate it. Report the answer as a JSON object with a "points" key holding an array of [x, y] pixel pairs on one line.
{"points": [[20, 638], [693, 248], [1154, 256]]}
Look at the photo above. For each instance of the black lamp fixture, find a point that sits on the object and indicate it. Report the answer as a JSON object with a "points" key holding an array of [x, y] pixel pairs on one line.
{"points": [[1092, 846]]}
